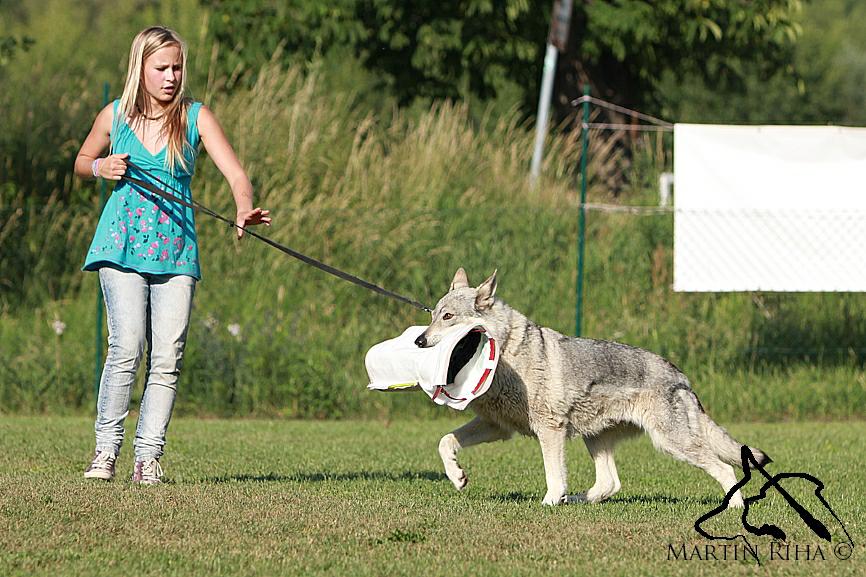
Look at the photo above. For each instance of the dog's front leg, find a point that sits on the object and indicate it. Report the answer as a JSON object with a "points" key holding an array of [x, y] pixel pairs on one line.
{"points": [[553, 450], [474, 432]]}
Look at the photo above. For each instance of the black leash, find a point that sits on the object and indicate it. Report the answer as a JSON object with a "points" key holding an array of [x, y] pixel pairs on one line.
{"points": [[149, 187]]}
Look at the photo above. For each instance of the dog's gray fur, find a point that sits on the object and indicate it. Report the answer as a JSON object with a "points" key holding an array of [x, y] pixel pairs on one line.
{"points": [[553, 387]]}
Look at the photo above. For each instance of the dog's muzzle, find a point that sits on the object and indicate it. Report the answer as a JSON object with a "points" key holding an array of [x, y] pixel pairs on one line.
{"points": [[421, 341]]}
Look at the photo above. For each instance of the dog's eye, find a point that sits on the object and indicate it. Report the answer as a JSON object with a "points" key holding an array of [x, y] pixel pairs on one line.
{"points": [[447, 317]]}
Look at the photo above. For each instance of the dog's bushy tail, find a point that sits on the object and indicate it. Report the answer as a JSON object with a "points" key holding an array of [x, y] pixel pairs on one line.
{"points": [[726, 447]]}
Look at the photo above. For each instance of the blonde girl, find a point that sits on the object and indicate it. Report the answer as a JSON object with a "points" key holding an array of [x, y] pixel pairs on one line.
{"points": [[145, 247]]}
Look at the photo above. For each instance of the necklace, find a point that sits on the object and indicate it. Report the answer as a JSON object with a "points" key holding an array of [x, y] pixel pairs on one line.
{"points": [[146, 117]]}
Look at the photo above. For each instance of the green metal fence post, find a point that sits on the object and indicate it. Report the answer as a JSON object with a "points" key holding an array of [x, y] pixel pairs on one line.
{"points": [[98, 369], [581, 232]]}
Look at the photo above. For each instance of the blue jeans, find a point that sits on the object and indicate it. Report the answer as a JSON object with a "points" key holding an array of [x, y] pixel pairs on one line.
{"points": [[141, 309]]}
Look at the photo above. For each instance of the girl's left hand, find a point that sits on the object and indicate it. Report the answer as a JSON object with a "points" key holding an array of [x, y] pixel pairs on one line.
{"points": [[251, 217]]}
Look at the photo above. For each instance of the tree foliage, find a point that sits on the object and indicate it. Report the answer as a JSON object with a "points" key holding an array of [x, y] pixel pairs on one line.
{"points": [[624, 47], [822, 83], [456, 48], [453, 48], [252, 32]]}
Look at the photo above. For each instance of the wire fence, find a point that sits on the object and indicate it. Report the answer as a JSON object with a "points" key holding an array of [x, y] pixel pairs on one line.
{"points": [[759, 253]]}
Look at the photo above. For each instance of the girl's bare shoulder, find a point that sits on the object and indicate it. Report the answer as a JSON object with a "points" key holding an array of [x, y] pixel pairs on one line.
{"points": [[104, 118]]}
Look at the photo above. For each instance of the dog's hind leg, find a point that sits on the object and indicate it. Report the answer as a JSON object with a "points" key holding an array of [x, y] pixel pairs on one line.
{"points": [[724, 474], [699, 456], [474, 432], [693, 449], [601, 447], [553, 450]]}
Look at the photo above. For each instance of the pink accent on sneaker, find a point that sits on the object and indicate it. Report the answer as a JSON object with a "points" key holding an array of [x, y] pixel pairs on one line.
{"points": [[147, 472]]}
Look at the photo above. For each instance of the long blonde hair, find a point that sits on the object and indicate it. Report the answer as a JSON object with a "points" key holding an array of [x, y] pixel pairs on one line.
{"points": [[134, 104]]}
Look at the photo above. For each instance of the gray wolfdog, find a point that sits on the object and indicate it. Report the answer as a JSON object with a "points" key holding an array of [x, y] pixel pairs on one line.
{"points": [[553, 387]]}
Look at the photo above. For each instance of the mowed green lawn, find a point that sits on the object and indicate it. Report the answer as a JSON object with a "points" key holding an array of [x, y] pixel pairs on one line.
{"points": [[369, 498]]}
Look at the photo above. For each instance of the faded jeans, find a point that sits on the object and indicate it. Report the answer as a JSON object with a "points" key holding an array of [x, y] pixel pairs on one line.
{"points": [[141, 309]]}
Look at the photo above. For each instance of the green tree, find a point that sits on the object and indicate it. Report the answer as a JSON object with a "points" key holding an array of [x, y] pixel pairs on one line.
{"points": [[454, 48], [250, 33], [822, 84], [623, 48]]}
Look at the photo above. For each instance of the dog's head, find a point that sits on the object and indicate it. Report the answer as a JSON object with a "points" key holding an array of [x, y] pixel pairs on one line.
{"points": [[461, 304]]}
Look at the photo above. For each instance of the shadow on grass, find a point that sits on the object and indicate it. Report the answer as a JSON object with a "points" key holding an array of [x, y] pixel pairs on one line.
{"points": [[322, 477], [513, 497], [656, 499], [517, 497]]}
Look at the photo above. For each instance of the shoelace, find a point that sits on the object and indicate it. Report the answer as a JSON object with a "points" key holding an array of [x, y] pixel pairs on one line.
{"points": [[104, 460], [150, 469]]}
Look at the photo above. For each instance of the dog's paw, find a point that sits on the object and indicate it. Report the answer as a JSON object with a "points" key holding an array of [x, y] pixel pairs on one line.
{"points": [[593, 496], [458, 478], [736, 501], [600, 492], [552, 499], [461, 483]]}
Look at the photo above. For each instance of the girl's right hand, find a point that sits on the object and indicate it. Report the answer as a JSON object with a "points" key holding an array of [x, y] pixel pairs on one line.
{"points": [[113, 167]]}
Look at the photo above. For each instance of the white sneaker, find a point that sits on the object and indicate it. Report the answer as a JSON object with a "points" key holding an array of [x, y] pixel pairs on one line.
{"points": [[102, 466], [147, 472]]}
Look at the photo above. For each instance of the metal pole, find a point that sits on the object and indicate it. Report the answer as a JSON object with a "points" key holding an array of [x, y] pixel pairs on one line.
{"points": [[543, 112], [98, 363], [557, 40], [581, 227]]}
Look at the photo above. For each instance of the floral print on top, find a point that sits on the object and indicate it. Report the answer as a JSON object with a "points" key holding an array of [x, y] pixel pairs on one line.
{"points": [[138, 230]]}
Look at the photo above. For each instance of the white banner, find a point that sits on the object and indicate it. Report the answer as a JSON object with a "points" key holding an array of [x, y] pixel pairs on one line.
{"points": [[769, 208]]}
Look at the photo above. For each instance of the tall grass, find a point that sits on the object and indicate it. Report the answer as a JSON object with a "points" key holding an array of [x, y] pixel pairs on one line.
{"points": [[401, 199]]}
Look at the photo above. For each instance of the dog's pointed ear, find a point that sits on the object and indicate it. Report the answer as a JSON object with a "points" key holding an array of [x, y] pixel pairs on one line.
{"points": [[460, 279], [486, 290]]}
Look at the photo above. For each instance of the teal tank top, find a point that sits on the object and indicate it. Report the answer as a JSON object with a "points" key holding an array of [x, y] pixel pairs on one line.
{"points": [[138, 230]]}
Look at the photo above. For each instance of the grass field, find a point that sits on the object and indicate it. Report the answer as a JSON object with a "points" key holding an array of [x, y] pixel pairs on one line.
{"points": [[253, 497]]}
